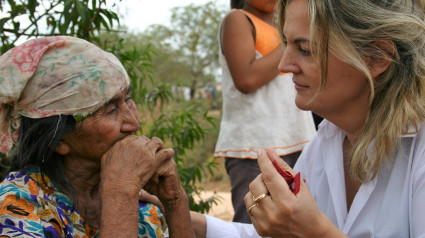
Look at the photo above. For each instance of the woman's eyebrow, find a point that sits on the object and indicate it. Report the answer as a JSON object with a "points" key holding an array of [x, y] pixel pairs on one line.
{"points": [[297, 40], [113, 100], [118, 97], [301, 40]]}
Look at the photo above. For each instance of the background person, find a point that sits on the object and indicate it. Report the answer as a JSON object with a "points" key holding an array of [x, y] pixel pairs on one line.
{"points": [[258, 106]]}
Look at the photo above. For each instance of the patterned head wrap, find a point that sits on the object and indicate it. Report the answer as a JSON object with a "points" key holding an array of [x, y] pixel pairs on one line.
{"points": [[54, 76]]}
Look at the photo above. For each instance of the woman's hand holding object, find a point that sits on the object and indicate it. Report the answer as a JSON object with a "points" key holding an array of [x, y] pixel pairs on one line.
{"points": [[280, 212]]}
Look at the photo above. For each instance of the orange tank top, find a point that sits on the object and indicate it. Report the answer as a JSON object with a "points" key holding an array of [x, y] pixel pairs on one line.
{"points": [[266, 36]]}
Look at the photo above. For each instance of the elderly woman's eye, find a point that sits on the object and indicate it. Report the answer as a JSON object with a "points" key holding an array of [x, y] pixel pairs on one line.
{"points": [[111, 110]]}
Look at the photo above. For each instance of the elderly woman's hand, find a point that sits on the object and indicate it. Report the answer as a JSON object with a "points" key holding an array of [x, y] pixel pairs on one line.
{"points": [[278, 212], [167, 186], [132, 161]]}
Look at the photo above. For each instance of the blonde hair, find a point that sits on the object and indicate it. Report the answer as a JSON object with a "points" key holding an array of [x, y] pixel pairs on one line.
{"points": [[348, 29]]}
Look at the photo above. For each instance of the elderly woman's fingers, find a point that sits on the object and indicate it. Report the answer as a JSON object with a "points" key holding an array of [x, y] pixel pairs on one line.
{"points": [[139, 159], [155, 143], [168, 166], [147, 197], [144, 164], [164, 155], [168, 189]]}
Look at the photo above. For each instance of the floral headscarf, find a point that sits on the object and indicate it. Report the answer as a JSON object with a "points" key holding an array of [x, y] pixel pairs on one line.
{"points": [[54, 76]]}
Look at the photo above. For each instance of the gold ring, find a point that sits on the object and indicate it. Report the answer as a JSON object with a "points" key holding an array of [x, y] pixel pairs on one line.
{"points": [[259, 198], [251, 207]]}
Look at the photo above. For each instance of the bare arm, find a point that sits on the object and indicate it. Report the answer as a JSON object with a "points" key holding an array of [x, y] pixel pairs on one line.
{"points": [[178, 218], [199, 223], [238, 45], [119, 215]]}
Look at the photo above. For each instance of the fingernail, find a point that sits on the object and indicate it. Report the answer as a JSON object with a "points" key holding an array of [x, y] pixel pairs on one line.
{"points": [[259, 152]]}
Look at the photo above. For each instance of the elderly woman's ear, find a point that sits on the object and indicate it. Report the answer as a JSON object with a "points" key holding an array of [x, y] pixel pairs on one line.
{"points": [[381, 57], [62, 148]]}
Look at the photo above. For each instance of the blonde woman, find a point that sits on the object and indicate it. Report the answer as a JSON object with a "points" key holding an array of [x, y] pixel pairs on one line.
{"points": [[361, 66]]}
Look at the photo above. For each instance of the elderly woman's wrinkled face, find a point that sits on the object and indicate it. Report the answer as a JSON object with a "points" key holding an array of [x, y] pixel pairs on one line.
{"points": [[347, 88], [97, 133]]}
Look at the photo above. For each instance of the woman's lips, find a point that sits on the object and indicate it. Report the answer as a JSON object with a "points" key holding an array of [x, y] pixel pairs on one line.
{"points": [[300, 86]]}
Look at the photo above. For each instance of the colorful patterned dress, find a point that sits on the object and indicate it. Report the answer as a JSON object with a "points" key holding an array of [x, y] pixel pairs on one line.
{"points": [[31, 209]]}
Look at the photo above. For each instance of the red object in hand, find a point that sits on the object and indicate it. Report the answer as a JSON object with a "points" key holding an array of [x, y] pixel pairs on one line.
{"points": [[294, 183]]}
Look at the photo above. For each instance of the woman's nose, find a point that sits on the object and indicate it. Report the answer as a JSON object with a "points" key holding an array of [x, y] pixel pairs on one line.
{"points": [[288, 63], [130, 120]]}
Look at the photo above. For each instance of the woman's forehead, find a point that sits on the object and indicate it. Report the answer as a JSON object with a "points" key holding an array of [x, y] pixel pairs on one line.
{"points": [[297, 21]]}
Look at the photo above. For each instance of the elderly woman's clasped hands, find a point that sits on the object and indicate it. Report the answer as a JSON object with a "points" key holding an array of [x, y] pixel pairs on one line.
{"points": [[151, 167], [139, 160]]}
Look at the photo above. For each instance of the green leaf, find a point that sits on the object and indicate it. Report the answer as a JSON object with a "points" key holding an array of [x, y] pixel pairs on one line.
{"points": [[32, 5], [104, 23], [2, 22], [83, 12]]}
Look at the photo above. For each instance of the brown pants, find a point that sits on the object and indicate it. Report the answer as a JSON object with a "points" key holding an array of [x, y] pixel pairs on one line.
{"points": [[241, 173]]}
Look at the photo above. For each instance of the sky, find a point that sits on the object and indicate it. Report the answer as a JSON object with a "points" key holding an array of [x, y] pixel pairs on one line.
{"points": [[139, 14]]}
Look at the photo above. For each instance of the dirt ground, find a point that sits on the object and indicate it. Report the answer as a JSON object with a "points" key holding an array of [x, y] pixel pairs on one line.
{"points": [[224, 208]]}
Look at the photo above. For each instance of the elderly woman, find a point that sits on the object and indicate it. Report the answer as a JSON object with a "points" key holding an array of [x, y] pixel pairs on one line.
{"points": [[77, 166], [361, 66]]}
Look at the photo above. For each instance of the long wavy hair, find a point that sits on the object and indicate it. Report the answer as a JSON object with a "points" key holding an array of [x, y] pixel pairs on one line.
{"points": [[348, 29]]}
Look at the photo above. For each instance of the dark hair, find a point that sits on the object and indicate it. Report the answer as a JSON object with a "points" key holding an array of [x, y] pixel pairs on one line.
{"points": [[37, 141], [238, 4]]}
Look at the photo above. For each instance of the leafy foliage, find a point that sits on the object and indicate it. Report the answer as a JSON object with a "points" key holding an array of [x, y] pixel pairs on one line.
{"points": [[190, 44], [35, 18], [97, 22], [183, 130]]}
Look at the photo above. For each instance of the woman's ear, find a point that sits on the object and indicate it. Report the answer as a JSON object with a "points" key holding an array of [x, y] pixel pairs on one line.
{"points": [[62, 148], [379, 62]]}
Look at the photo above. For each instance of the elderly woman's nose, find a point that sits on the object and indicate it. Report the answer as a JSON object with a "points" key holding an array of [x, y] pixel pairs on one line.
{"points": [[130, 120], [287, 63]]}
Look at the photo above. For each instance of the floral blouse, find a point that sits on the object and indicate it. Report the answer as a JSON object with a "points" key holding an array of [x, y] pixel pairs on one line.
{"points": [[29, 208]]}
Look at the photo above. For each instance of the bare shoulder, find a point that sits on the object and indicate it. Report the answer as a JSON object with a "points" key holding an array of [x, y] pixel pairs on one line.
{"points": [[237, 37], [236, 19]]}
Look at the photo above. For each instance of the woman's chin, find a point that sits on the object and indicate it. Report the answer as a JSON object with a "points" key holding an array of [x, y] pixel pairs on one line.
{"points": [[303, 103]]}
